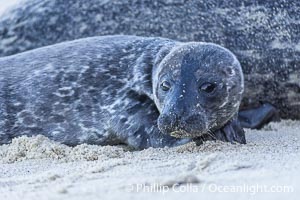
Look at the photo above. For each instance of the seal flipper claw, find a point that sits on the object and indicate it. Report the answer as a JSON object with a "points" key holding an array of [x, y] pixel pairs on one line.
{"points": [[257, 117], [231, 132]]}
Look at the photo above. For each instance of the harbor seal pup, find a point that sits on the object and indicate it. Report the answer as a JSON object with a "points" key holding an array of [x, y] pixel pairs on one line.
{"points": [[122, 89], [264, 36]]}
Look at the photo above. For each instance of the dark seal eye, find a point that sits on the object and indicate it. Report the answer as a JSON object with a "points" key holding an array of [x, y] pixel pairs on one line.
{"points": [[208, 87], [165, 86]]}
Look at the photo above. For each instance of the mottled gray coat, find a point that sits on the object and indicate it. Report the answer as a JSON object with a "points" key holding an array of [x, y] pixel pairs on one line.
{"points": [[108, 90], [263, 34]]}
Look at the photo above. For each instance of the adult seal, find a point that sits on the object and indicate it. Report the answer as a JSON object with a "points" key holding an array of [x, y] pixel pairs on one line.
{"points": [[122, 89]]}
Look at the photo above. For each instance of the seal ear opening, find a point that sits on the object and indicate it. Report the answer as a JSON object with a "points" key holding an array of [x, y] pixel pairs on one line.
{"points": [[228, 71], [143, 80]]}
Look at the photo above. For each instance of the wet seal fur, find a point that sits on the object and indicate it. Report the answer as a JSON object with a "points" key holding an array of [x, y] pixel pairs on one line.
{"points": [[122, 89]]}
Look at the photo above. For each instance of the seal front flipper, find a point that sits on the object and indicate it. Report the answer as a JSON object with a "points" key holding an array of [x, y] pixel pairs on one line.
{"points": [[230, 132], [255, 118]]}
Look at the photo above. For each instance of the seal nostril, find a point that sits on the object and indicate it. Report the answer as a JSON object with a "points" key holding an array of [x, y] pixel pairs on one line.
{"points": [[167, 121]]}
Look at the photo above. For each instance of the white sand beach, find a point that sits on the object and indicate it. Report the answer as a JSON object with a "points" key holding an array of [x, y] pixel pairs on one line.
{"points": [[7, 4], [267, 167]]}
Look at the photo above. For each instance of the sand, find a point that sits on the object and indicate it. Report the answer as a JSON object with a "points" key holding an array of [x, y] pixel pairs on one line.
{"points": [[268, 166], [7, 4]]}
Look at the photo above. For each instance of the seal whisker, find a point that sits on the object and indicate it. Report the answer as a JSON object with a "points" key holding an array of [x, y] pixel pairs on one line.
{"points": [[211, 134]]}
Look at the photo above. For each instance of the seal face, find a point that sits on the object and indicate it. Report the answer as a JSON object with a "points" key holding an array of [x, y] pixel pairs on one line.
{"points": [[197, 88], [119, 89]]}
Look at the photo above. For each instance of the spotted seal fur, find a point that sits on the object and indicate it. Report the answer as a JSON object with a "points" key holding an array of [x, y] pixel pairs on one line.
{"points": [[264, 36], [122, 89]]}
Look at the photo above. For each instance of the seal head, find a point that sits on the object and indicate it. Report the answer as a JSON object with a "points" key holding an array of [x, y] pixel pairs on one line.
{"points": [[197, 88]]}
